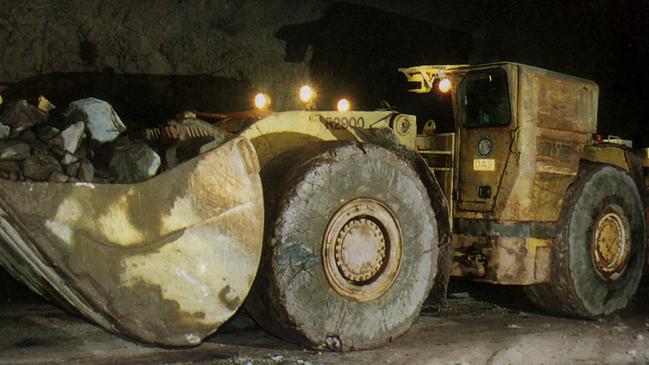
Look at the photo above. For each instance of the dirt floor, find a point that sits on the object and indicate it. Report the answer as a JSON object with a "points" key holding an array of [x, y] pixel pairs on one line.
{"points": [[481, 325]]}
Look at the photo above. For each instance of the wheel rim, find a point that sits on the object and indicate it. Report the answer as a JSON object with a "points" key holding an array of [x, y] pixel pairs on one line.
{"points": [[611, 243], [362, 249]]}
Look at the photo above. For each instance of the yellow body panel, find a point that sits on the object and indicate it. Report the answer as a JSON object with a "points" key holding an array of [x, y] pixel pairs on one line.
{"points": [[506, 236], [279, 132]]}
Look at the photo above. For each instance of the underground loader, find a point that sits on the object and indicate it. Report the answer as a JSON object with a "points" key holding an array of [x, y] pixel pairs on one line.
{"points": [[341, 224]]}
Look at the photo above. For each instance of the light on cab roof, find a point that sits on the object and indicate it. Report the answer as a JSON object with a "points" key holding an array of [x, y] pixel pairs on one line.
{"points": [[445, 85]]}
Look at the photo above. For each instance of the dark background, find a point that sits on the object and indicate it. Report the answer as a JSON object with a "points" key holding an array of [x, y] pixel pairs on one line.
{"points": [[153, 59], [149, 60]]}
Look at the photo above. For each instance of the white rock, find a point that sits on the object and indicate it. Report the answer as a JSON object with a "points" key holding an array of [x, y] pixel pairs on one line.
{"points": [[69, 159], [72, 137], [134, 162], [101, 120], [4, 131]]}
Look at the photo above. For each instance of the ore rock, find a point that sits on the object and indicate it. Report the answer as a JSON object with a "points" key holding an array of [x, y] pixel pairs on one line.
{"points": [[9, 166], [46, 132], [133, 162], [39, 148], [4, 131], [71, 137], [40, 167], [14, 150], [45, 105], [21, 116], [59, 177], [28, 136], [83, 152], [101, 120], [69, 159], [72, 169], [86, 171]]}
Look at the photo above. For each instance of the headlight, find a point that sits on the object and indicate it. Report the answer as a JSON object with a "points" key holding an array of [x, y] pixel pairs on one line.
{"points": [[343, 105], [307, 94], [262, 101], [445, 85]]}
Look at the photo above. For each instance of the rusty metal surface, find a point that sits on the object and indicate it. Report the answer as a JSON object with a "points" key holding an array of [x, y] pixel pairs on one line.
{"points": [[611, 243], [165, 261], [507, 260], [361, 249], [438, 150], [608, 154], [553, 115]]}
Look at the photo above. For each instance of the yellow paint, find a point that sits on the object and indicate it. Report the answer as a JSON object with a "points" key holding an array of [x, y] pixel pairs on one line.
{"points": [[280, 131], [612, 155], [44, 105], [198, 271], [181, 215], [116, 226]]}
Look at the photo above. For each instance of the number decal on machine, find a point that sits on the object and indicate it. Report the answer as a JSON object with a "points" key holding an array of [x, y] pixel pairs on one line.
{"points": [[484, 164], [343, 122]]}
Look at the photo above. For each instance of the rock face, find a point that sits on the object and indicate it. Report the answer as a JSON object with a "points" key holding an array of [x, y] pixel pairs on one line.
{"points": [[229, 39], [99, 117]]}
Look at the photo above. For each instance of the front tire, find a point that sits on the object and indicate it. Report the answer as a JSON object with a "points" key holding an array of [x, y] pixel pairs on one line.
{"points": [[599, 250], [351, 247]]}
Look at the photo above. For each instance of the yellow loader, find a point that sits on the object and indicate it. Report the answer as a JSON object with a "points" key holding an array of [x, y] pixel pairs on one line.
{"points": [[341, 224]]}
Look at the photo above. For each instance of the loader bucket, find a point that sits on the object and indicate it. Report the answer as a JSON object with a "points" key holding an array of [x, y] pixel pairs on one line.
{"points": [[163, 262]]}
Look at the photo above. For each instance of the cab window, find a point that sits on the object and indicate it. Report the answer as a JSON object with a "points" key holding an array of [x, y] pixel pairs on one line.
{"points": [[484, 99]]}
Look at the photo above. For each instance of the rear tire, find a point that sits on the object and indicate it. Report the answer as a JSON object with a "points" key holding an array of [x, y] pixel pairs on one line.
{"points": [[351, 247], [599, 250]]}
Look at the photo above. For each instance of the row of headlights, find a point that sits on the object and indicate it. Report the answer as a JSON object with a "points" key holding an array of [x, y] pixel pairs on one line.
{"points": [[307, 96]]}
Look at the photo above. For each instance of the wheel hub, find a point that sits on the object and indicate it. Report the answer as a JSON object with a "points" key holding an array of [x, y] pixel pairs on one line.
{"points": [[362, 249], [611, 243]]}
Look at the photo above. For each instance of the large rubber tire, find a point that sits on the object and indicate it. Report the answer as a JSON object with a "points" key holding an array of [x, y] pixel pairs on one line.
{"points": [[293, 296], [577, 287]]}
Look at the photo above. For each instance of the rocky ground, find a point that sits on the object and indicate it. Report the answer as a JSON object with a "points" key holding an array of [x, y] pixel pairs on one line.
{"points": [[481, 325]]}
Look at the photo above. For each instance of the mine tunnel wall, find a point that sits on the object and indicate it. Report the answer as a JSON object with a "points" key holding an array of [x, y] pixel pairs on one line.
{"points": [[213, 54]]}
